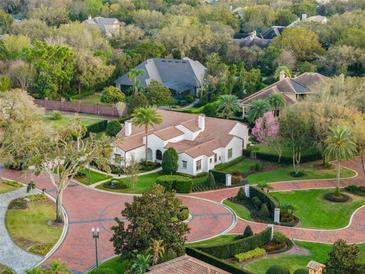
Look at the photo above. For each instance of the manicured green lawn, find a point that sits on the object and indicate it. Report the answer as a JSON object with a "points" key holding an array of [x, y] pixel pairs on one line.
{"points": [[215, 241], [29, 227], [240, 210], [314, 211], [68, 118], [116, 264], [285, 153], [91, 177], [319, 252], [91, 99], [283, 174], [244, 166], [7, 186]]}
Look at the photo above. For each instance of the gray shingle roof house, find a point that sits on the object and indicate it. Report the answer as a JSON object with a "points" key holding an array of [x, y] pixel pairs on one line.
{"points": [[181, 76], [261, 40], [108, 26], [291, 88]]}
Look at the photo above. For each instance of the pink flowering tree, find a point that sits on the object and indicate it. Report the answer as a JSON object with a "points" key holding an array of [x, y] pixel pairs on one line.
{"points": [[266, 127]]}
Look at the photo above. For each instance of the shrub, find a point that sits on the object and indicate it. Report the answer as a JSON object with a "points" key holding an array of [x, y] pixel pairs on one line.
{"points": [[277, 269], [236, 173], [220, 177], [168, 255], [211, 180], [248, 232], [241, 195], [112, 95], [40, 248], [183, 214], [98, 126], [358, 190], [236, 179], [169, 161], [301, 271], [115, 169], [257, 252], [265, 198], [210, 110], [116, 184], [228, 250], [181, 184], [264, 211], [257, 202], [333, 197], [279, 238], [103, 271], [12, 183], [113, 128], [55, 115], [19, 203]]}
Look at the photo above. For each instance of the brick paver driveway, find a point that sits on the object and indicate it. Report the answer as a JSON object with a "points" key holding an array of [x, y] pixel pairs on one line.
{"points": [[87, 208]]}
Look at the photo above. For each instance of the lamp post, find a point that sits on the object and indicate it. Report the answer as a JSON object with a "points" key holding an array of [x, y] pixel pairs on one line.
{"points": [[95, 233]]}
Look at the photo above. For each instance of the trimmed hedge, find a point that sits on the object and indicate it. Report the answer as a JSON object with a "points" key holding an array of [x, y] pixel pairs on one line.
{"points": [[257, 252], [181, 184], [264, 198], [228, 250], [284, 159], [205, 257], [223, 166], [358, 190], [98, 126], [220, 177]]}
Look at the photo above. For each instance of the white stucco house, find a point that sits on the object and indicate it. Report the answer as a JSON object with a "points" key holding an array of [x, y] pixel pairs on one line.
{"points": [[201, 142]]}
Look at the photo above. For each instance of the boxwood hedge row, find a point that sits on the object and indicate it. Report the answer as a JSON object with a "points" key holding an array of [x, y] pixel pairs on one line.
{"points": [[181, 184], [228, 250], [265, 198], [284, 159]]}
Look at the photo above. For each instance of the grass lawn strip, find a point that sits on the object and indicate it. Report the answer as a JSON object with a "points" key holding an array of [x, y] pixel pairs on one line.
{"points": [[91, 177], [319, 252], [7, 186], [29, 228], [68, 118], [240, 210], [215, 241], [316, 212], [116, 264], [243, 166], [283, 174]]}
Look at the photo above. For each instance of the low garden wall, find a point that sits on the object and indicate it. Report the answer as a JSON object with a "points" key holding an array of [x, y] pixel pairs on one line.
{"points": [[228, 250]]}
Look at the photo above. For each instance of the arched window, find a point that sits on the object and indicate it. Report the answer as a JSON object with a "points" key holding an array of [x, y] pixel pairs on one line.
{"points": [[158, 155]]}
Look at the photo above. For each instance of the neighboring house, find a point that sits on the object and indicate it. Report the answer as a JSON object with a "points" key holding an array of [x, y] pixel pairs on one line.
{"points": [[292, 88], [108, 26], [185, 264], [182, 76], [262, 40], [304, 18], [201, 142]]}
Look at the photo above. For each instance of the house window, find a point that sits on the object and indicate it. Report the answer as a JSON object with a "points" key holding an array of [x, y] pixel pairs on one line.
{"points": [[117, 158], [215, 157], [229, 153], [198, 165], [210, 160], [184, 164], [158, 155]]}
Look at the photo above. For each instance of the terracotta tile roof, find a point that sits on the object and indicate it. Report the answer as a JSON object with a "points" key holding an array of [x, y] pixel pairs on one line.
{"points": [[168, 133], [216, 133], [185, 265], [298, 85]]}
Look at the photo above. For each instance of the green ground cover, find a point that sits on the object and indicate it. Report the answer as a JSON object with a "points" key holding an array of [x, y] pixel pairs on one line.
{"points": [[215, 241], [7, 186], [240, 210], [316, 212], [67, 119], [91, 99], [91, 177], [319, 252], [283, 174], [243, 166], [115, 264], [30, 229], [285, 152]]}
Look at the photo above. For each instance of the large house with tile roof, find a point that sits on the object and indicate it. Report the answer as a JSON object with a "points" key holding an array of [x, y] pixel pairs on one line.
{"points": [[182, 76], [201, 142], [292, 88], [108, 26]]}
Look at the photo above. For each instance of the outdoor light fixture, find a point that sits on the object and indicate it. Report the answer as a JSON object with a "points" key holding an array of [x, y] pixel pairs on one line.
{"points": [[95, 233]]}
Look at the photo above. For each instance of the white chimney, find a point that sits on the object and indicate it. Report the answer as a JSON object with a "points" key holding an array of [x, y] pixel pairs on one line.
{"points": [[128, 128], [201, 121], [282, 75]]}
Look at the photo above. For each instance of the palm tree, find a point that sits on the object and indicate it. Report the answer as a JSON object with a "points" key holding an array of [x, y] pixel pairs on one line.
{"points": [[339, 145], [141, 264], [133, 75], [158, 249], [228, 105], [276, 101], [146, 117], [257, 110]]}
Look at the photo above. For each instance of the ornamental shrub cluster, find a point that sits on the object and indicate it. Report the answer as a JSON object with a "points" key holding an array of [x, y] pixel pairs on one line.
{"points": [[257, 252], [112, 95], [277, 269], [181, 184], [358, 190], [113, 128]]}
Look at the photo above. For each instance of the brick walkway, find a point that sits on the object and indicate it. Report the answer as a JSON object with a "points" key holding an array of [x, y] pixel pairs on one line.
{"points": [[87, 208]]}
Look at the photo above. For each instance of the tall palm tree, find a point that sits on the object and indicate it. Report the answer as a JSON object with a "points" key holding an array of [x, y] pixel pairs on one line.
{"points": [[276, 101], [339, 145], [146, 117], [257, 110], [228, 105], [133, 75], [158, 249]]}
